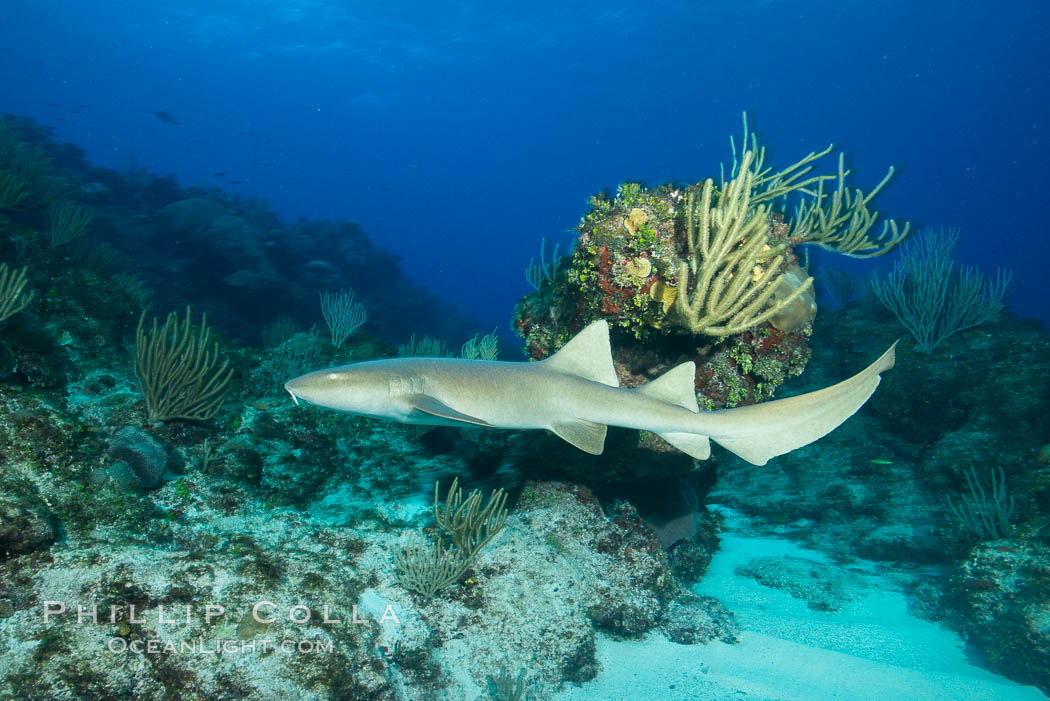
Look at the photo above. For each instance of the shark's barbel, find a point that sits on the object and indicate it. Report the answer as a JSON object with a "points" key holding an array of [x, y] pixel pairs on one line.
{"points": [[575, 394]]}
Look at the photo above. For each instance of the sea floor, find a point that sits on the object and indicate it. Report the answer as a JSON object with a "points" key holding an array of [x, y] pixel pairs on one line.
{"points": [[872, 648]]}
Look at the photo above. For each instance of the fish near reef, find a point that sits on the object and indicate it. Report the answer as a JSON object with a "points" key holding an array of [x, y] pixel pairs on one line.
{"points": [[576, 395]]}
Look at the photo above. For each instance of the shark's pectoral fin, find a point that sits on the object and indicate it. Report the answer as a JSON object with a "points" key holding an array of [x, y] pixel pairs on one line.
{"points": [[585, 435], [692, 444], [429, 405]]}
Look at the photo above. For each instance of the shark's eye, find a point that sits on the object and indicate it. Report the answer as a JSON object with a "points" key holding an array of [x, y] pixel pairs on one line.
{"points": [[333, 376]]}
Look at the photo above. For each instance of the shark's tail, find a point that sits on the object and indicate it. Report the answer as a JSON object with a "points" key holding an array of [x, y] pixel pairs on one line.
{"points": [[762, 431], [755, 433]]}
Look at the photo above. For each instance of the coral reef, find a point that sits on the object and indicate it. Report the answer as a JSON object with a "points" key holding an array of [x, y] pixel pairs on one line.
{"points": [[256, 500], [1000, 595], [705, 273], [289, 517], [631, 280], [140, 460], [182, 377], [882, 487]]}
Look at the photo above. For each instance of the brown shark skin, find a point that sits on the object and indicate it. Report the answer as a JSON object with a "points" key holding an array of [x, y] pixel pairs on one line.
{"points": [[573, 393]]}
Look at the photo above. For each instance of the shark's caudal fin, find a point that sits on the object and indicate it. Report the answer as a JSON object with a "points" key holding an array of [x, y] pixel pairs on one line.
{"points": [[762, 431], [676, 386]]}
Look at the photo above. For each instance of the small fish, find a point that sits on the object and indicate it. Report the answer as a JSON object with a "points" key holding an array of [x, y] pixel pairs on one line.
{"points": [[218, 174], [265, 404], [166, 117], [881, 461], [236, 182]]}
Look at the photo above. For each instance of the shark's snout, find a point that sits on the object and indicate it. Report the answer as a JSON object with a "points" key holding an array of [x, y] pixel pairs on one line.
{"points": [[291, 386]]}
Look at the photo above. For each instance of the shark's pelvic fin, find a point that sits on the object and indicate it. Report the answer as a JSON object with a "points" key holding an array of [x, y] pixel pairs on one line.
{"points": [[585, 435], [762, 431], [429, 405], [588, 355]]}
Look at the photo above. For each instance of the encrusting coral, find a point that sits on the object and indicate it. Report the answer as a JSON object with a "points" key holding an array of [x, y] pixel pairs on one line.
{"points": [[707, 272]]}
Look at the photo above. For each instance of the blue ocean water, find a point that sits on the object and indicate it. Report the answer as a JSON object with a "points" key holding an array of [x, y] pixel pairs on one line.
{"points": [[459, 134], [899, 549]]}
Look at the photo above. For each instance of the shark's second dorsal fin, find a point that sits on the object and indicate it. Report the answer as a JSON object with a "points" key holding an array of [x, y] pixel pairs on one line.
{"points": [[676, 386], [587, 355]]}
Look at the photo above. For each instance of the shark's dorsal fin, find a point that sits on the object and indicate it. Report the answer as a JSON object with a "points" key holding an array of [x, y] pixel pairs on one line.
{"points": [[587, 355], [676, 386], [429, 405], [585, 435]]}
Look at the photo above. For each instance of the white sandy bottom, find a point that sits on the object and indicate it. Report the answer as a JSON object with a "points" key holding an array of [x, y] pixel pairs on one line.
{"points": [[871, 649]]}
